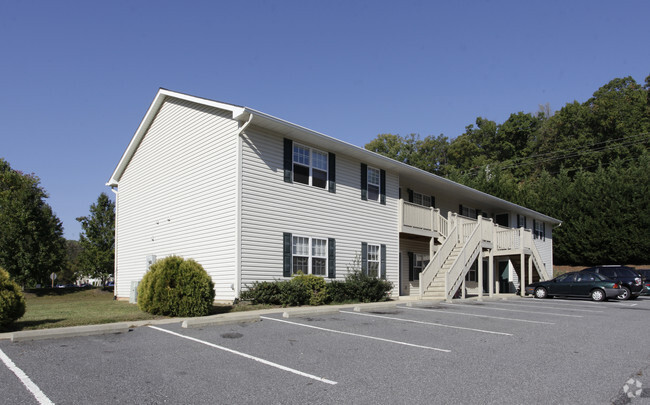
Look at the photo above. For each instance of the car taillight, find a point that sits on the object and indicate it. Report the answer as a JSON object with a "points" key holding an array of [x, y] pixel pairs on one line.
{"points": [[637, 281], [615, 285]]}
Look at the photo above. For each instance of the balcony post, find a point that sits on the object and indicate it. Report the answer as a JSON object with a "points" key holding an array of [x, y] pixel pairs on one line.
{"points": [[480, 276], [522, 281], [491, 273]]}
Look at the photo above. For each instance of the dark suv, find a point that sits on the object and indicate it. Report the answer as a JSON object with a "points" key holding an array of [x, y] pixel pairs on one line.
{"points": [[645, 273], [631, 281]]}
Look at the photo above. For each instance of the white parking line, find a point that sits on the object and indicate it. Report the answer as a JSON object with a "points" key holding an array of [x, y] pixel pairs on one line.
{"points": [[540, 305], [516, 310], [427, 323], [479, 315], [357, 335], [27, 382], [248, 356]]}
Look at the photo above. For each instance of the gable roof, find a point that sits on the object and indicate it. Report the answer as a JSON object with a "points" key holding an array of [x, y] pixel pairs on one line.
{"points": [[247, 115]]}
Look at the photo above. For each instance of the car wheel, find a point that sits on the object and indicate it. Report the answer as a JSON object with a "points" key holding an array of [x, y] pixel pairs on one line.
{"points": [[598, 295], [625, 294], [540, 292]]}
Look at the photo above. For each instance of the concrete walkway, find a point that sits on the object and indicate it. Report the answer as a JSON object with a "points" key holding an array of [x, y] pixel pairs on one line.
{"points": [[227, 318]]}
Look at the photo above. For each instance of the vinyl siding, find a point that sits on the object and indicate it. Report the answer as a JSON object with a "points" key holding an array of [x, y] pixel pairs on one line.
{"points": [[270, 206], [545, 249], [178, 196]]}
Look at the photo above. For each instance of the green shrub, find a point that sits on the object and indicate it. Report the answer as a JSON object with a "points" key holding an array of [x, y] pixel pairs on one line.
{"points": [[263, 293], [12, 301], [315, 286], [361, 287], [339, 292], [176, 287]]}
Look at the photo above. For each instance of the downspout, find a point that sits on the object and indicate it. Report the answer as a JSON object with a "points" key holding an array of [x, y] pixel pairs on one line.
{"points": [[238, 270], [115, 191], [243, 127]]}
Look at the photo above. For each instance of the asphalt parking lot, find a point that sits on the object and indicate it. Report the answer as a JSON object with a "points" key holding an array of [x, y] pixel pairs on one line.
{"points": [[520, 350]]}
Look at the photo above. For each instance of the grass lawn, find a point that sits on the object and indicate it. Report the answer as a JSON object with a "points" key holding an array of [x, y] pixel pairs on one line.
{"points": [[75, 308], [55, 309]]}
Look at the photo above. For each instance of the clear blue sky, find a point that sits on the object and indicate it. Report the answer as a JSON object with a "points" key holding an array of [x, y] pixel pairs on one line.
{"points": [[76, 78]]}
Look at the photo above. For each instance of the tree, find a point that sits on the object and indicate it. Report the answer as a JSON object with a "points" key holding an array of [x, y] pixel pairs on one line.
{"points": [[31, 236], [72, 270], [97, 239]]}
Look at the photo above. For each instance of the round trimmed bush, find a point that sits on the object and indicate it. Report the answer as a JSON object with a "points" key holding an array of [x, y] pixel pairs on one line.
{"points": [[174, 286], [12, 301]]}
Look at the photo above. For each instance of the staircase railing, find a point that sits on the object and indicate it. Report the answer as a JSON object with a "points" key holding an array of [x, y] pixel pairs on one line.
{"points": [[431, 270], [469, 253]]}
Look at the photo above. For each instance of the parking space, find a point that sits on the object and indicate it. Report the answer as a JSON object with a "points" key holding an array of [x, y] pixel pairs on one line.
{"points": [[501, 351]]}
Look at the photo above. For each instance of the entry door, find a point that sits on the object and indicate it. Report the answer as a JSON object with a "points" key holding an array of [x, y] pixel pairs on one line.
{"points": [[504, 281]]}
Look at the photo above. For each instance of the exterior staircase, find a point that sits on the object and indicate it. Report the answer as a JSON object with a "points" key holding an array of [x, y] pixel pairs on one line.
{"points": [[466, 239], [436, 290]]}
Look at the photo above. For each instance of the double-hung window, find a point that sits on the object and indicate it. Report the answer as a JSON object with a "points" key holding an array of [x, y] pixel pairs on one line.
{"points": [[309, 166], [373, 260], [309, 256], [374, 184]]}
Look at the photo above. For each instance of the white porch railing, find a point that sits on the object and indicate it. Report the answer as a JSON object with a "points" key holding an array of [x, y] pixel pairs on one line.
{"points": [[416, 216]]}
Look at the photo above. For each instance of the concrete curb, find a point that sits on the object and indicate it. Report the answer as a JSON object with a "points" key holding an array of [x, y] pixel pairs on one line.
{"points": [[305, 311], [72, 331], [221, 319]]}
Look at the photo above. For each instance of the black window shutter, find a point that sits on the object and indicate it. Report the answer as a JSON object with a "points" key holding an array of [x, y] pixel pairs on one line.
{"points": [[331, 258], [525, 224], [478, 213], [364, 181], [411, 261], [460, 209], [534, 229], [408, 190], [518, 221], [286, 255], [288, 160], [433, 201], [364, 257], [382, 264], [331, 172], [382, 186]]}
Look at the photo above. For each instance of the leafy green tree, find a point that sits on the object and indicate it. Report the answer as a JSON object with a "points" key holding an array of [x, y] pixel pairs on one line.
{"points": [[72, 270], [97, 239], [31, 236]]}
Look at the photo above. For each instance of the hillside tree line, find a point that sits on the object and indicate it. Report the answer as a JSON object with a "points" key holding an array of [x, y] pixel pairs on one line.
{"points": [[587, 164]]}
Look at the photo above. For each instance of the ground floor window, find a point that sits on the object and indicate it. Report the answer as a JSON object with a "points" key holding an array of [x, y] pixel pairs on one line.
{"points": [[373, 260], [309, 256], [420, 262]]}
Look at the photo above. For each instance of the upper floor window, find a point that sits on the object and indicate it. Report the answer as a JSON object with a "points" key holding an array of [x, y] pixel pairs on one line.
{"points": [[467, 212], [309, 166], [306, 165], [373, 184], [421, 199], [539, 231]]}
